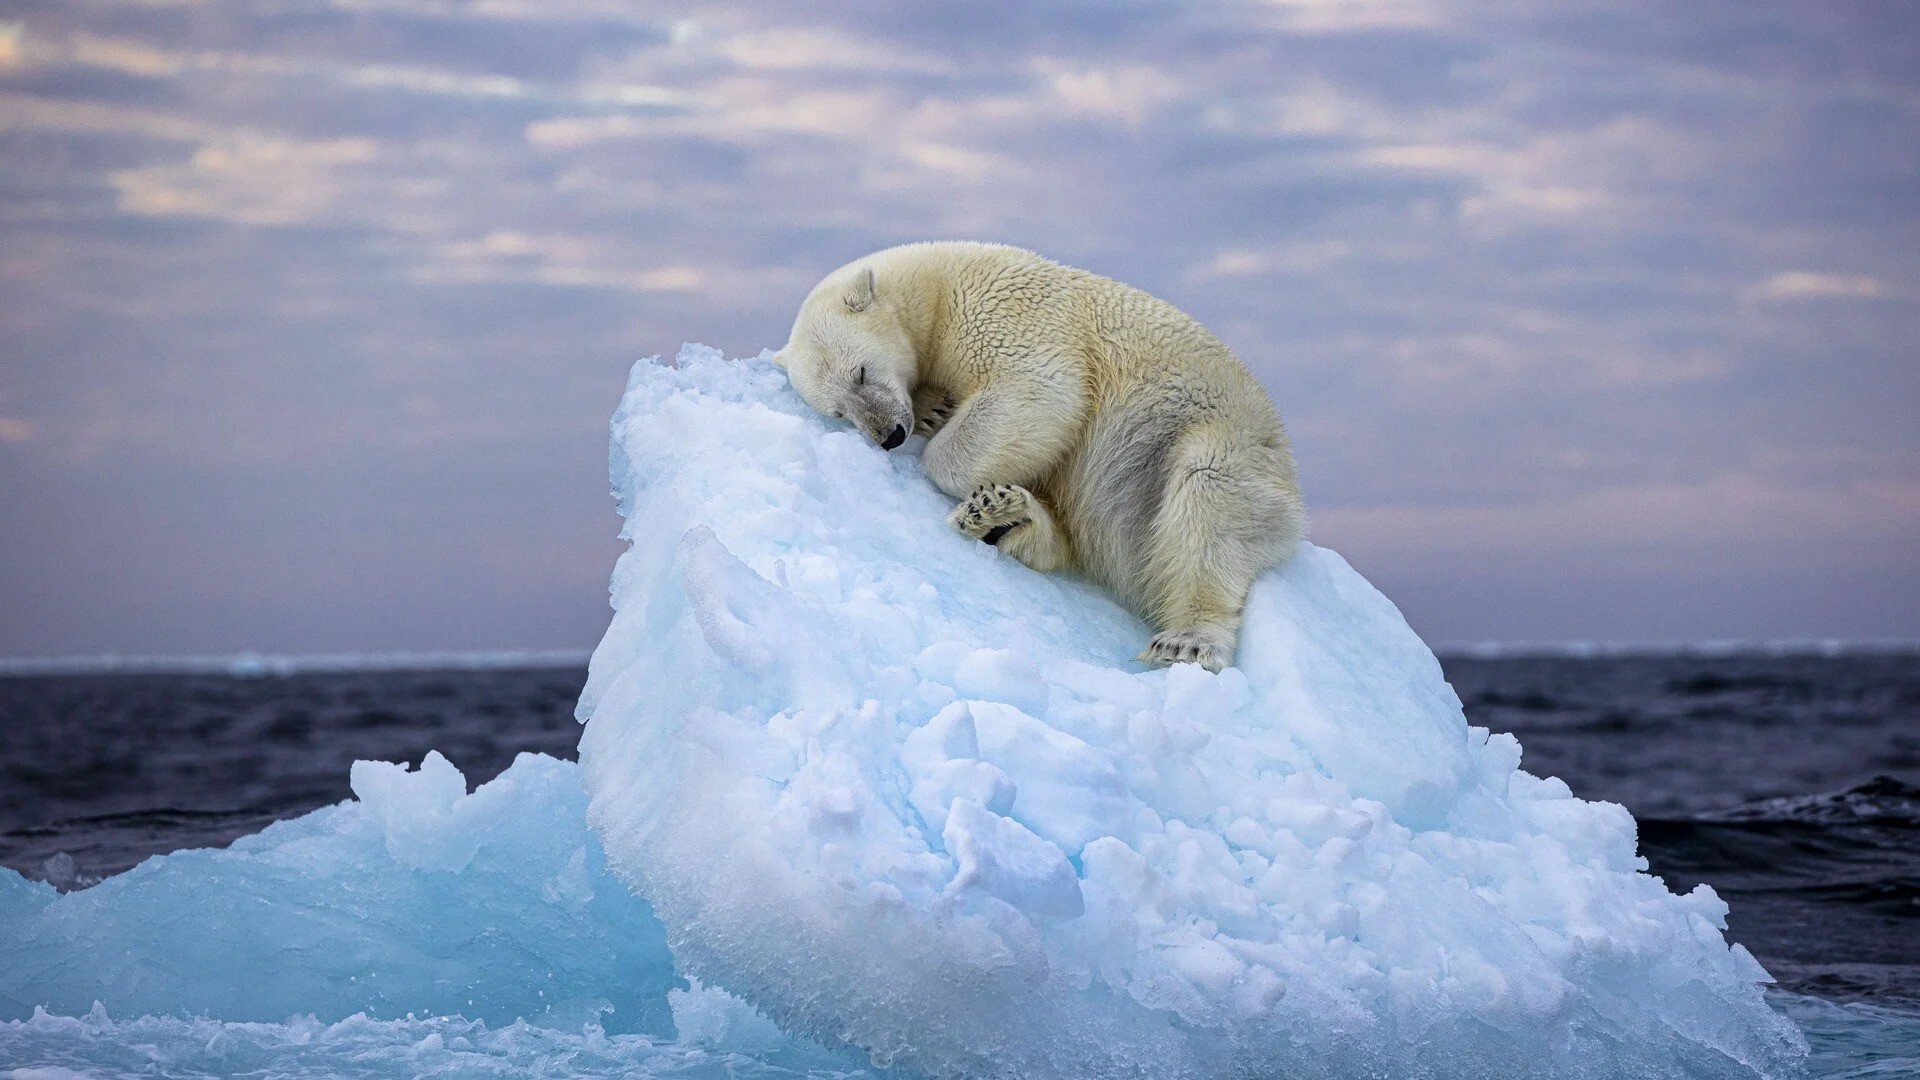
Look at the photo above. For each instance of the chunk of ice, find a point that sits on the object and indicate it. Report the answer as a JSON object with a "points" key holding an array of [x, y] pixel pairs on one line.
{"points": [[999, 857], [418, 899]]}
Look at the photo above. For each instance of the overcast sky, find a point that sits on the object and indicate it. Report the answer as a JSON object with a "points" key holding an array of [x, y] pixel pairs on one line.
{"points": [[1590, 320]]}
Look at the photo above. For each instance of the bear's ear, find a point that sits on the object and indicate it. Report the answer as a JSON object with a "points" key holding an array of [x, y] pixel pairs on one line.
{"points": [[861, 296]]}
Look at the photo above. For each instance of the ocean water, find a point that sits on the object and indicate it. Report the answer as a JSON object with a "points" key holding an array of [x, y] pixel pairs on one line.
{"points": [[1791, 784]]}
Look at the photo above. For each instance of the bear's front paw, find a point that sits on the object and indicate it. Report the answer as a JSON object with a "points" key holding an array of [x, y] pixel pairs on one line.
{"points": [[1185, 647], [993, 511], [932, 415]]}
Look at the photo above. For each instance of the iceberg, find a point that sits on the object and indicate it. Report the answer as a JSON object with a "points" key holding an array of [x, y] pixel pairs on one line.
{"points": [[416, 929], [856, 794], [901, 793], [416, 898]]}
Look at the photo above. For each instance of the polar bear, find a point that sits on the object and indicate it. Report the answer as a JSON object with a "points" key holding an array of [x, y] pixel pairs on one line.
{"points": [[1084, 425]]}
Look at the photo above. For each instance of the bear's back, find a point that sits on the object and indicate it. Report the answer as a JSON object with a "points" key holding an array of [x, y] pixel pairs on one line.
{"points": [[999, 304]]}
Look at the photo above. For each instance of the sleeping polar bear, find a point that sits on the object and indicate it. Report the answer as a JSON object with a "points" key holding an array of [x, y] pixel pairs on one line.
{"points": [[1084, 424]]}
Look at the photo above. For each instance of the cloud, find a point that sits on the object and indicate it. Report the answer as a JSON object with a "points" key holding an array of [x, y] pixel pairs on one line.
{"points": [[1514, 276], [1128, 93], [22, 112], [816, 49], [248, 180], [144, 60], [738, 111], [1305, 257], [560, 260], [1349, 16], [961, 163], [126, 57], [1806, 285]]}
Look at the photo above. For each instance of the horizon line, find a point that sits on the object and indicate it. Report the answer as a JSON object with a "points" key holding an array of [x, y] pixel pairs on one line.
{"points": [[253, 664], [249, 663]]}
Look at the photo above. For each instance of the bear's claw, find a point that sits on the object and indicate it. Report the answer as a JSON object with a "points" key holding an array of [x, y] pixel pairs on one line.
{"points": [[929, 420], [1184, 647], [993, 511]]}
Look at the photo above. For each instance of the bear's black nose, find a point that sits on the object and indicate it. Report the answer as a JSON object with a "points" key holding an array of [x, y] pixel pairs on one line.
{"points": [[894, 438]]}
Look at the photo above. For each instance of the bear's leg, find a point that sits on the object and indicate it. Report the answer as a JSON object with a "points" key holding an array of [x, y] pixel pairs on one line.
{"points": [[1013, 432], [1014, 520], [1224, 518]]}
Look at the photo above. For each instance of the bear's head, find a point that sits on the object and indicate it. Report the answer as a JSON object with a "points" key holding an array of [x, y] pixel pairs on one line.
{"points": [[849, 357]]}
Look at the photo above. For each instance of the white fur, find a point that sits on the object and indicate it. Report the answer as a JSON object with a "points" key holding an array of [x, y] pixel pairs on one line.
{"points": [[1084, 424]]}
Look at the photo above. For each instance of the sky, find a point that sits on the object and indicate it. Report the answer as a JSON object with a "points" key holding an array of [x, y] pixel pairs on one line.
{"points": [[1590, 321]]}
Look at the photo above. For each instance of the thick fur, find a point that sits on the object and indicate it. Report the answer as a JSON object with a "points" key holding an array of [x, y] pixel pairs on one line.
{"points": [[1084, 425]]}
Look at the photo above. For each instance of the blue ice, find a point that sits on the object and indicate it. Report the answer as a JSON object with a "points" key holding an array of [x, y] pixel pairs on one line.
{"points": [[417, 928]]}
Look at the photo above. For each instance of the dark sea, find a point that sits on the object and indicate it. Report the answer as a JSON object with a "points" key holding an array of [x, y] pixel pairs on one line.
{"points": [[1789, 783]]}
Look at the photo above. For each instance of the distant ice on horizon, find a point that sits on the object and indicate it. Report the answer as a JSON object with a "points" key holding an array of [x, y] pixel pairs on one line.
{"points": [[257, 664]]}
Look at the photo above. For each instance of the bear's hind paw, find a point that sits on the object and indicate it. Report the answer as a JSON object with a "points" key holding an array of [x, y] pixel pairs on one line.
{"points": [[1185, 647]]}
